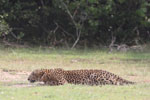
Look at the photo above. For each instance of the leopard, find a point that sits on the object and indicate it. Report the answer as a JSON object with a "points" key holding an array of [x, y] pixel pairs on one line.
{"points": [[59, 76]]}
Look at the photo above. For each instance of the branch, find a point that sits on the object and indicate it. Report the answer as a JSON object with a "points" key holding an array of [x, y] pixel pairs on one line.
{"points": [[42, 3], [78, 37], [14, 35], [75, 12], [60, 27], [78, 28], [69, 13], [56, 28]]}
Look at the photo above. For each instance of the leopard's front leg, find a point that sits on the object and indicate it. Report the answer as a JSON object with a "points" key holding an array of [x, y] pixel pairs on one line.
{"points": [[51, 83], [54, 82], [50, 79]]}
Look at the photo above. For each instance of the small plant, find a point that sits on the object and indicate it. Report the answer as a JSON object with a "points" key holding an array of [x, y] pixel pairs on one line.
{"points": [[4, 27]]}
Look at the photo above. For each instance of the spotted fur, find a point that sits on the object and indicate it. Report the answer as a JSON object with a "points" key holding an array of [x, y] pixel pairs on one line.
{"points": [[84, 77]]}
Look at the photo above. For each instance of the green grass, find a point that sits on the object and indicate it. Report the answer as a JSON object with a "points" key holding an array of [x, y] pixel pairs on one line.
{"points": [[72, 92], [133, 66]]}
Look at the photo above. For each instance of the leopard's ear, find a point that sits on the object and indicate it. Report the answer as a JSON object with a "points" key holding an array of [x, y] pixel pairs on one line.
{"points": [[59, 69], [42, 71]]}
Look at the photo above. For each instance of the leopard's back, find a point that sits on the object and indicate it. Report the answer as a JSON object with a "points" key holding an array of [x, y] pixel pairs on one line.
{"points": [[94, 77]]}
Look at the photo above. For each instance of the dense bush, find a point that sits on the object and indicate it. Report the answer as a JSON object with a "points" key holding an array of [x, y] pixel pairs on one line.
{"points": [[81, 22]]}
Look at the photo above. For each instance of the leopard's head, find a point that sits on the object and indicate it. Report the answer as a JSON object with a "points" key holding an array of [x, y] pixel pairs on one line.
{"points": [[35, 76]]}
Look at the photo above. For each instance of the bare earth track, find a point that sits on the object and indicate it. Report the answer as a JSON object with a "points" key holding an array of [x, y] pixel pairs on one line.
{"points": [[15, 78]]}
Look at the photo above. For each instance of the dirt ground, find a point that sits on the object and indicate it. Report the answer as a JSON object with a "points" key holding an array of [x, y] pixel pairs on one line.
{"points": [[15, 78], [12, 75]]}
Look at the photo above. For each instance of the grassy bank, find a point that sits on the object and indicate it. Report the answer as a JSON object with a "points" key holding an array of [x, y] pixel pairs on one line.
{"points": [[72, 92], [133, 66]]}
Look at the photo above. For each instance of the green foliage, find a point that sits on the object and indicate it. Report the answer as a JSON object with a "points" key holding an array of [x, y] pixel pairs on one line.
{"points": [[47, 22], [4, 27]]}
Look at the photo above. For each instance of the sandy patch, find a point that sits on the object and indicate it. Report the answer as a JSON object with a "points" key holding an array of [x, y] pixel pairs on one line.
{"points": [[15, 78], [13, 75]]}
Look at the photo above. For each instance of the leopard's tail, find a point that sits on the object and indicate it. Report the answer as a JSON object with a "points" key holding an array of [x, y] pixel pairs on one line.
{"points": [[124, 82], [129, 82]]}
